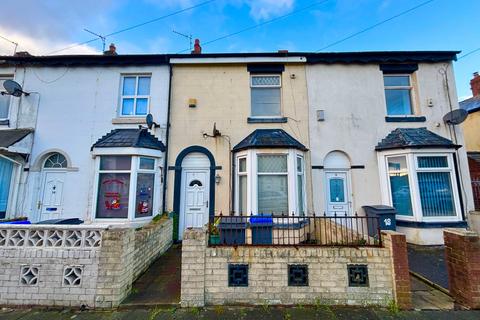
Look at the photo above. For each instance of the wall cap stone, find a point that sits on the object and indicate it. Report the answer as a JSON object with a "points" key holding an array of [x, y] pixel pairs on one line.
{"points": [[461, 232]]}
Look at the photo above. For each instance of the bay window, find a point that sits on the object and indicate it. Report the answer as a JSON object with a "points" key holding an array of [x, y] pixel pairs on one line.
{"points": [[422, 186], [270, 182], [126, 187]]}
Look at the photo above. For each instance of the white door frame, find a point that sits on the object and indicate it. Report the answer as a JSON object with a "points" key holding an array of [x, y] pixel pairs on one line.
{"points": [[41, 192], [348, 184], [181, 224]]}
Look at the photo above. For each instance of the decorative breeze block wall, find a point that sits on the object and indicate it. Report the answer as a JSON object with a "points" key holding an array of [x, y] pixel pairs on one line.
{"points": [[76, 265]]}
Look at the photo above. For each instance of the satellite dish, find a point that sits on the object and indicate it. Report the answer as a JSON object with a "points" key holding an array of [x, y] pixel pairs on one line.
{"points": [[150, 122], [13, 88], [456, 116]]}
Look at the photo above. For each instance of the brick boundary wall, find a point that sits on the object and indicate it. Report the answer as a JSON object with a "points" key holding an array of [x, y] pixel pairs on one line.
{"points": [[40, 264], [462, 253], [397, 244], [205, 274]]}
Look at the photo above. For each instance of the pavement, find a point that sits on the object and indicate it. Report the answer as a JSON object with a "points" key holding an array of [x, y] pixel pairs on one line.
{"points": [[429, 262], [425, 297], [241, 313]]}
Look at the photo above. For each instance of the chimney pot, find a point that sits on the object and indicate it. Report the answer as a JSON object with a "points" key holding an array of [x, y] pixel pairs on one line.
{"points": [[112, 50], [475, 84], [197, 49], [282, 51]]}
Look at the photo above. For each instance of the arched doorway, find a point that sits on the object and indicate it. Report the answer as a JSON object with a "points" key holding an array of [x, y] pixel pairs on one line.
{"points": [[337, 184], [194, 194], [54, 169]]}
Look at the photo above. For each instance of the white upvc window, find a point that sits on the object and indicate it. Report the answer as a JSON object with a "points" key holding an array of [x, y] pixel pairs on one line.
{"points": [[9, 178], [422, 186], [135, 95], [4, 100], [265, 92], [398, 94], [127, 187], [270, 182]]}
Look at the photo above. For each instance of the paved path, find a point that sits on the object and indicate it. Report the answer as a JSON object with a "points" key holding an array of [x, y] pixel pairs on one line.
{"points": [[429, 261], [239, 313], [425, 297], [160, 284]]}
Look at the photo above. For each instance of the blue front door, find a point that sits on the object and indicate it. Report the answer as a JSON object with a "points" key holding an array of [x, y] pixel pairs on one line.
{"points": [[6, 169]]}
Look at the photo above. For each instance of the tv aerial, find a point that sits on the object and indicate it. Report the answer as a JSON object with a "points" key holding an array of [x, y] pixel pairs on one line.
{"points": [[150, 123], [455, 117], [13, 88], [188, 36], [103, 38]]}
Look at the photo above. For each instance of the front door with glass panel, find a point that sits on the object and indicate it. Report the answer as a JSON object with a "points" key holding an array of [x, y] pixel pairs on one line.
{"points": [[338, 201], [51, 203], [195, 197]]}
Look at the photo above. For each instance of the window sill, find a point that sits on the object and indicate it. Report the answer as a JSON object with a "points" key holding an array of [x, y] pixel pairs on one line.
{"points": [[426, 225], [405, 119], [267, 120], [4, 122], [129, 120]]}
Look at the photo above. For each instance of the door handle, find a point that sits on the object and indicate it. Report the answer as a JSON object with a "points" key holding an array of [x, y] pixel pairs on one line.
{"points": [[206, 203], [39, 204]]}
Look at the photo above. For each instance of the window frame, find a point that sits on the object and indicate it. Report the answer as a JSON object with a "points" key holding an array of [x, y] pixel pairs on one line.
{"points": [[135, 96], [132, 192], [9, 104], [410, 87], [412, 168], [251, 156], [14, 187], [279, 86]]}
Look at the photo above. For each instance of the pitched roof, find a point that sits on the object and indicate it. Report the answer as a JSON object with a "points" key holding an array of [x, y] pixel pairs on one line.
{"points": [[133, 138], [471, 104], [414, 138], [269, 138], [11, 136]]}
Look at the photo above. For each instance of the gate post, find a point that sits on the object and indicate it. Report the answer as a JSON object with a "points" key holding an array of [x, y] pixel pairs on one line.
{"points": [[462, 253]]}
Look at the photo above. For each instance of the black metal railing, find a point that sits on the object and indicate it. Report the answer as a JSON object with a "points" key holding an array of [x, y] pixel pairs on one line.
{"points": [[291, 230]]}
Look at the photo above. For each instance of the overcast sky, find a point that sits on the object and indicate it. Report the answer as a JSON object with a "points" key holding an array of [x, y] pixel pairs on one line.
{"points": [[42, 27]]}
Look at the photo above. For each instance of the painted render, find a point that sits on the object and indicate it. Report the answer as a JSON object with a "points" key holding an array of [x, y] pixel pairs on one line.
{"points": [[470, 131], [223, 97], [79, 105], [355, 122]]}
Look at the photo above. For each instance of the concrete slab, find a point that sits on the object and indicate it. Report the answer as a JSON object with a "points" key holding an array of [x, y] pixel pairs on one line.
{"points": [[425, 297]]}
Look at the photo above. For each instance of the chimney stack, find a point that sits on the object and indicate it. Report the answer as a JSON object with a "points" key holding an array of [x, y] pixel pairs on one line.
{"points": [[475, 84], [112, 50], [197, 49]]}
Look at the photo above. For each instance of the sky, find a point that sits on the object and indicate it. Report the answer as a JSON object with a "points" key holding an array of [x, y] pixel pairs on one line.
{"points": [[42, 27]]}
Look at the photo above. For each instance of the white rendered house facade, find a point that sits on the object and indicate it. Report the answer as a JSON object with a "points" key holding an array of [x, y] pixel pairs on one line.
{"points": [[93, 157]]}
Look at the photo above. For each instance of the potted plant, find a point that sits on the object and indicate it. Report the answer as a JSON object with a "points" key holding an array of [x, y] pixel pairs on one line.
{"points": [[214, 232]]}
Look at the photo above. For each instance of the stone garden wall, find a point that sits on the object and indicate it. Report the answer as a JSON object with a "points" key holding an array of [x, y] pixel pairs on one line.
{"points": [[79, 265], [291, 275]]}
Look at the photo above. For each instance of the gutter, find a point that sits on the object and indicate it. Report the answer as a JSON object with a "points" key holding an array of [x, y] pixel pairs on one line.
{"points": [[167, 136]]}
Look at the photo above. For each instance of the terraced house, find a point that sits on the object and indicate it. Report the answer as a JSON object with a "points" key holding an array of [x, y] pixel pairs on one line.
{"points": [[254, 155]]}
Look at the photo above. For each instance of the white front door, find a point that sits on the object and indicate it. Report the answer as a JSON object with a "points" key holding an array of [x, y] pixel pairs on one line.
{"points": [[51, 201], [194, 199], [338, 199]]}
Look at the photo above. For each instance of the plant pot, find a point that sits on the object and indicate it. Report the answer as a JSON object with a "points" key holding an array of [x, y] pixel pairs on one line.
{"points": [[214, 239]]}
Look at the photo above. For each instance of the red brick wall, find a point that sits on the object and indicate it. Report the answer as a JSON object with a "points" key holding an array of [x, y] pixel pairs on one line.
{"points": [[397, 244], [475, 84], [462, 253]]}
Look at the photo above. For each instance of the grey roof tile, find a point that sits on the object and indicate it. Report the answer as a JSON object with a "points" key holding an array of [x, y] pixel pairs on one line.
{"points": [[269, 138], [471, 104], [414, 138], [134, 138]]}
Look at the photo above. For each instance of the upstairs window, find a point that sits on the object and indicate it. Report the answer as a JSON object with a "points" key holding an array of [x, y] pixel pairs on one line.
{"points": [[4, 101], [398, 94], [265, 95], [135, 98]]}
